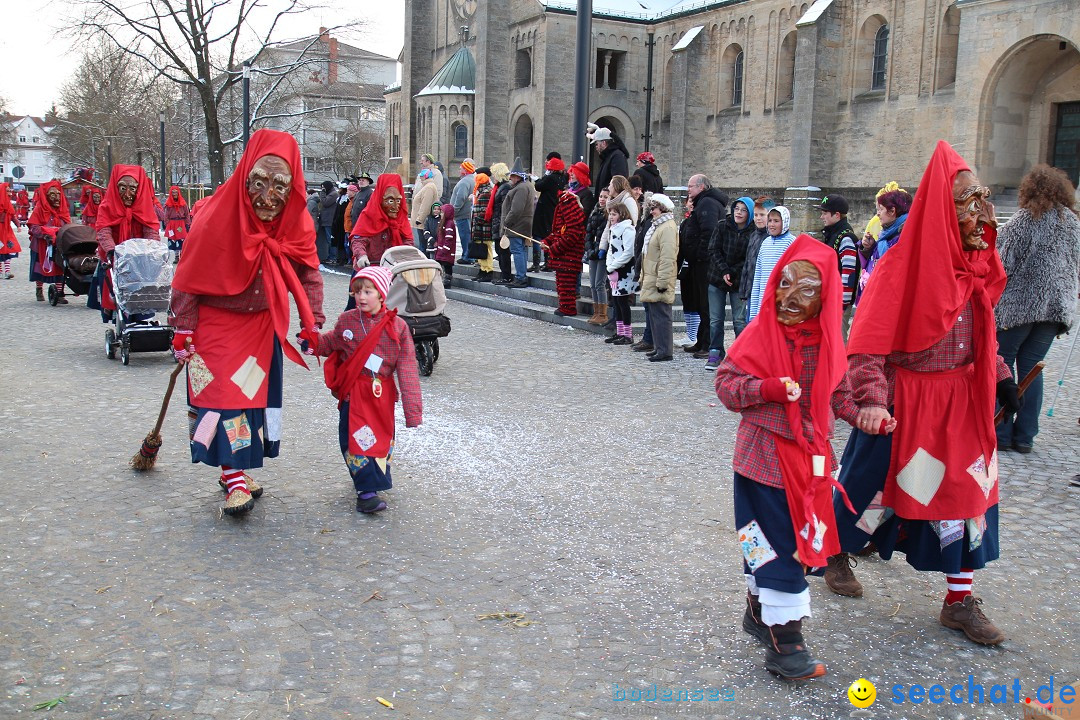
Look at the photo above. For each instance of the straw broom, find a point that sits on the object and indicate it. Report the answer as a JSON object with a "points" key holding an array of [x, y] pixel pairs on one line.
{"points": [[146, 457]]}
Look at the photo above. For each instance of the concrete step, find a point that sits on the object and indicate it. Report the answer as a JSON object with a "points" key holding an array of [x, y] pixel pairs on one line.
{"points": [[525, 307], [546, 281]]}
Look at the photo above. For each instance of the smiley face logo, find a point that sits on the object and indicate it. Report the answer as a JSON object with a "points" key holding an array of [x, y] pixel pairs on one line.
{"points": [[862, 693]]}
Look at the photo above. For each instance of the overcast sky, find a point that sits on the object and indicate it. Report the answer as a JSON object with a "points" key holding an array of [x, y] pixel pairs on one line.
{"points": [[38, 60]]}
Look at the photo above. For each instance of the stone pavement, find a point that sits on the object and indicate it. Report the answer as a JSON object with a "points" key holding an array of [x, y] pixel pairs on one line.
{"points": [[554, 476]]}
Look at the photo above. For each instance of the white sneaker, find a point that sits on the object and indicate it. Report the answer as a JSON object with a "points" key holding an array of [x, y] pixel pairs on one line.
{"points": [[683, 341]]}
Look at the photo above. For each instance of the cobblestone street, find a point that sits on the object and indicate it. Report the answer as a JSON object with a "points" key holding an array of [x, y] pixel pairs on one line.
{"points": [[554, 476]]}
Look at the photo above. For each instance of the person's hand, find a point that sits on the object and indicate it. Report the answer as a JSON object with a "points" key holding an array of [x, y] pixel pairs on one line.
{"points": [[183, 345], [601, 253], [661, 290], [309, 341], [412, 423], [780, 390], [1008, 394], [874, 420], [867, 241], [727, 279], [361, 262]]}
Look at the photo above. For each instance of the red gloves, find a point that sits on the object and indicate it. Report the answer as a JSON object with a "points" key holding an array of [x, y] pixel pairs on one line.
{"points": [[183, 343]]}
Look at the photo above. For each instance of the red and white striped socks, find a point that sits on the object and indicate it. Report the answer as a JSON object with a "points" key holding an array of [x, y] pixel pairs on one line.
{"points": [[233, 479], [959, 585], [5, 266]]}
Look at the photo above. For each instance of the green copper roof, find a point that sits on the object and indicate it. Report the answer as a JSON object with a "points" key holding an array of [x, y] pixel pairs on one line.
{"points": [[456, 77]]}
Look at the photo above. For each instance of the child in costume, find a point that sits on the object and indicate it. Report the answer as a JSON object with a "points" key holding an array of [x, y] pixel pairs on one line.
{"points": [[785, 375], [9, 244], [446, 241], [177, 221], [367, 345]]}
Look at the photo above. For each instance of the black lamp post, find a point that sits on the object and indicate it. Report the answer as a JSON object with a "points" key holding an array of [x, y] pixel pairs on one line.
{"points": [[164, 177], [247, 100]]}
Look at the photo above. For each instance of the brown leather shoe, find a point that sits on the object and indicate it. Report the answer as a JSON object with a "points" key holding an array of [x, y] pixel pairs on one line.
{"points": [[968, 617], [839, 577]]}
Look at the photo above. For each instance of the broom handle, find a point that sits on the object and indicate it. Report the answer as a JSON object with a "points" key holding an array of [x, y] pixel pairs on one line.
{"points": [[523, 237], [1028, 379], [168, 393]]}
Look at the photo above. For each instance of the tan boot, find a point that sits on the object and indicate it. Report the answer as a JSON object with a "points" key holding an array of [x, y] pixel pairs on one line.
{"points": [[601, 314], [595, 314], [839, 577], [968, 617]]}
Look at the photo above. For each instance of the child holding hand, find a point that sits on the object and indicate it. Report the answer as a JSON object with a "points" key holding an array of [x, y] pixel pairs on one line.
{"points": [[365, 348]]}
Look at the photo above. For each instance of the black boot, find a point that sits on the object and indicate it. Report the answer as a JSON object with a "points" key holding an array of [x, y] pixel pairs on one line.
{"points": [[752, 623], [787, 655]]}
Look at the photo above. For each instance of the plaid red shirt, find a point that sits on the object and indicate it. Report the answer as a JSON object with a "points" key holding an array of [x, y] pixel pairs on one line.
{"points": [[351, 329], [374, 247], [872, 378], [184, 311], [755, 448]]}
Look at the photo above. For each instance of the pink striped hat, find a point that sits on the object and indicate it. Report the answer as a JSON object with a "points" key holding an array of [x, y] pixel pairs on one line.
{"points": [[379, 276]]}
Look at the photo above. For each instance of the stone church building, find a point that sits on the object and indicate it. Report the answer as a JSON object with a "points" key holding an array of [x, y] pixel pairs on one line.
{"points": [[835, 94]]}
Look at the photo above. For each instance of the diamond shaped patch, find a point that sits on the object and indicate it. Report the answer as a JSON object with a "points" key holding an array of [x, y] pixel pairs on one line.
{"points": [[921, 477]]}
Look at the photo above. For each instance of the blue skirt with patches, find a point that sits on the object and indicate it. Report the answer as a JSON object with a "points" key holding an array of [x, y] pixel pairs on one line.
{"points": [[239, 438], [368, 474], [767, 536], [932, 545]]}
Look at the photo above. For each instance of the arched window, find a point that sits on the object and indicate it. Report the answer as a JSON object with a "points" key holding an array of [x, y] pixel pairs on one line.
{"points": [[461, 141], [737, 83], [881, 52], [785, 76], [948, 48]]}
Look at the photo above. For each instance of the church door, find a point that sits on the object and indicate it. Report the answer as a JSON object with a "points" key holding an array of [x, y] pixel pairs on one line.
{"points": [[1067, 141]]}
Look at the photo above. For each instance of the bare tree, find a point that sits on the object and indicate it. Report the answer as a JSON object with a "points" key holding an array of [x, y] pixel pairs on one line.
{"points": [[199, 44]]}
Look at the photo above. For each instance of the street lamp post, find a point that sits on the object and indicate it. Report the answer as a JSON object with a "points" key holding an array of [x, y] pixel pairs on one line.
{"points": [[164, 177], [246, 83]]}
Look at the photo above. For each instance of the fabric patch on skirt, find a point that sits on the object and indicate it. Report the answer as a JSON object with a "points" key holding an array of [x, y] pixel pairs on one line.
{"points": [[364, 437], [199, 376], [819, 533], [875, 514], [238, 431], [976, 528], [355, 462], [948, 531], [921, 477], [273, 424], [207, 429], [756, 549], [984, 474], [249, 377]]}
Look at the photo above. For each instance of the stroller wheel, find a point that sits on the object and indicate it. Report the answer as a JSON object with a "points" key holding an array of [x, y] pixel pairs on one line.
{"points": [[53, 298], [110, 344], [425, 357], [435, 350], [125, 354]]}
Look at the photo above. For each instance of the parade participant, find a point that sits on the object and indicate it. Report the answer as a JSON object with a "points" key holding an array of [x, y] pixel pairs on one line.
{"points": [[367, 346], [50, 212], [564, 248], [177, 220], [784, 374], [446, 242], [90, 206], [9, 244], [383, 224], [22, 204], [480, 231], [251, 246], [126, 212], [923, 350]]}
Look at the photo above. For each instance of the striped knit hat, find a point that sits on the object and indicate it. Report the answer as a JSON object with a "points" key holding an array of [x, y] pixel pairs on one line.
{"points": [[379, 276]]}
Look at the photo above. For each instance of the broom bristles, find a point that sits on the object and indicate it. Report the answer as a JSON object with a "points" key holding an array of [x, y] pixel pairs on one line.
{"points": [[147, 455]]}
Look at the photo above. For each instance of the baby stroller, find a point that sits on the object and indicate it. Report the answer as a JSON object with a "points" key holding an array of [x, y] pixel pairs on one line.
{"points": [[76, 248], [141, 278], [416, 292]]}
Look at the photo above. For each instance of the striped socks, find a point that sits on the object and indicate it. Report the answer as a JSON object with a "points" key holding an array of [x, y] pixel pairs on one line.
{"points": [[959, 585], [233, 479], [5, 266], [624, 329], [693, 321]]}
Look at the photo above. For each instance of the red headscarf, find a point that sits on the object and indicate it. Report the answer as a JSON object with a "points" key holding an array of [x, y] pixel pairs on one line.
{"points": [[6, 206], [45, 214], [922, 284], [761, 350], [89, 206], [374, 220], [179, 202], [8, 242], [127, 222], [228, 244]]}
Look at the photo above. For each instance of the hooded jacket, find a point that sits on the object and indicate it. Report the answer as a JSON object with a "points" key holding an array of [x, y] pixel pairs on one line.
{"points": [[650, 178], [709, 208], [727, 247]]}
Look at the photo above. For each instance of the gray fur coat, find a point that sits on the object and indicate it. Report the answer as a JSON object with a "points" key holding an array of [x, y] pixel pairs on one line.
{"points": [[1042, 261]]}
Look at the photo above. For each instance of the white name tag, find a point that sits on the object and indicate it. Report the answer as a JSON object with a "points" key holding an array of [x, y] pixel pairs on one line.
{"points": [[374, 362]]}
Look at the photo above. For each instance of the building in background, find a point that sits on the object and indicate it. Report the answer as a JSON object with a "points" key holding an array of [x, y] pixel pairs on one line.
{"points": [[26, 150]]}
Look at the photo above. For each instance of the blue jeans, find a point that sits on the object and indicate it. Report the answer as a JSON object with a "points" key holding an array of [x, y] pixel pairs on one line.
{"points": [[464, 235], [520, 255], [646, 337], [326, 244], [1025, 345], [718, 298]]}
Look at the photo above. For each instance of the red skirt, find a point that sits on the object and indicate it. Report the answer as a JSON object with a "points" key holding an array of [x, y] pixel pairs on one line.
{"points": [[235, 349], [937, 470]]}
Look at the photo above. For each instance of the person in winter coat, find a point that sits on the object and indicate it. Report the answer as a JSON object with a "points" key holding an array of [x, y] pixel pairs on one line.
{"points": [[446, 242], [564, 247], [762, 205], [710, 206], [839, 235], [442, 183], [620, 268], [580, 185], [595, 226], [659, 271], [646, 170], [778, 224], [1040, 250], [327, 208], [360, 200], [500, 175], [727, 255], [481, 227], [337, 229], [517, 220], [892, 210], [548, 189], [423, 201], [461, 199], [613, 156]]}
